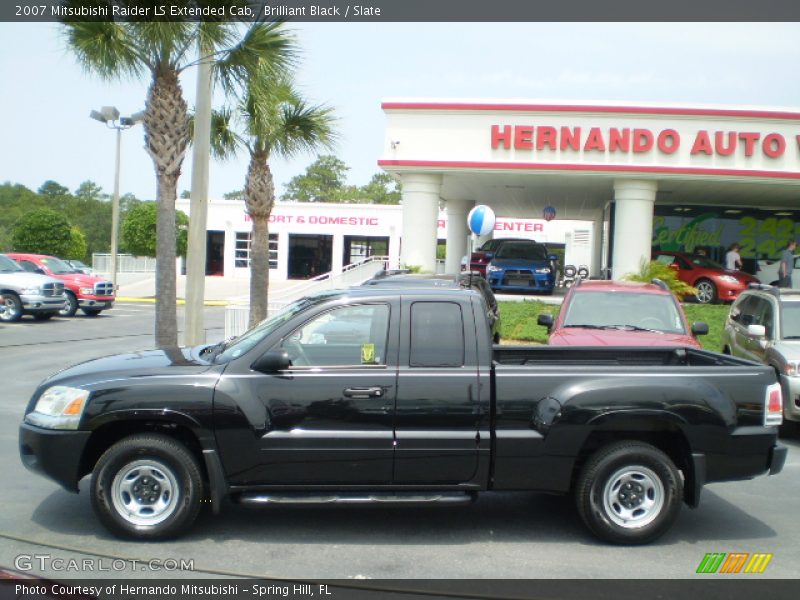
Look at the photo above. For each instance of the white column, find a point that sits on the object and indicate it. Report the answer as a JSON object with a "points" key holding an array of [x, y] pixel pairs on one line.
{"points": [[457, 232], [420, 216], [633, 224], [337, 249], [597, 243]]}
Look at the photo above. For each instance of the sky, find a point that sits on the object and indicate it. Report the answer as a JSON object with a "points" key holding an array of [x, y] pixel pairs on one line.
{"points": [[45, 97]]}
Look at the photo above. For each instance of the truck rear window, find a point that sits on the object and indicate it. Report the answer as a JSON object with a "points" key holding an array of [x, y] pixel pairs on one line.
{"points": [[437, 335]]}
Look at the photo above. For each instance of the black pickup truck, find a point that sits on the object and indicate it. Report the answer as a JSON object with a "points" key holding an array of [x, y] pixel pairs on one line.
{"points": [[393, 396]]}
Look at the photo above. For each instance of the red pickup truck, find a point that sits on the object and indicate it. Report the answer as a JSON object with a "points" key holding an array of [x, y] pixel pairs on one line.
{"points": [[90, 293]]}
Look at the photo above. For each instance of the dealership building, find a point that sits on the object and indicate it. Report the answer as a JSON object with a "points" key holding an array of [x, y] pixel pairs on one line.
{"points": [[621, 178]]}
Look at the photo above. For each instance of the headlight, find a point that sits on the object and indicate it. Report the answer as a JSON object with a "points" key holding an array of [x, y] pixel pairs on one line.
{"points": [[60, 407], [543, 270], [491, 269], [728, 279], [86, 291], [34, 291], [792, 367]]}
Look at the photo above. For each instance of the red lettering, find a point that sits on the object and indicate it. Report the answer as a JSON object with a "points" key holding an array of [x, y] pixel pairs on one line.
{"points": [[669, 141], [774, 145], [642, 140], [750, 140], [721, 149], [702, 143], [504, 137], [528, 226], [538, 227], [523, 137], [546, 136], [619, 140], [570, 138], [595, 140], [374, 222]]}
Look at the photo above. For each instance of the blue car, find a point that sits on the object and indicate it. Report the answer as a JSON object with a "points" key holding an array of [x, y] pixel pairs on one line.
{"points": [[522, 266]]}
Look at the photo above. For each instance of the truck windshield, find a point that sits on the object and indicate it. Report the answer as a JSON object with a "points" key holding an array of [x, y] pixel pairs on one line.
{"points": [[9, 266], [790, 320], [615, 309], [58, 267], [245, 342]]}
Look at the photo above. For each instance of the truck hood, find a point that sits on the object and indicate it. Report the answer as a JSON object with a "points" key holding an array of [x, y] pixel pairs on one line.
{"points": [[26, 279], [80, 280], [576, 336], [146, 363], [789, 349]]}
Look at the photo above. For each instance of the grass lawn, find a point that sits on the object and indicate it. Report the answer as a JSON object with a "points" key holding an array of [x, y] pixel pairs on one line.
{"points": [[518, 321]]}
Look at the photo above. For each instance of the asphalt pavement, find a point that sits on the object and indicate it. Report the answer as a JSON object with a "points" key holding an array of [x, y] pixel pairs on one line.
{"points": [[511, 535]]}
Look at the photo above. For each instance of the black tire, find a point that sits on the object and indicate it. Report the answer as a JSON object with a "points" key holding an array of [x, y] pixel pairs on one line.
{"points": [[161, 469], [10, 307], [706, 292], [92, 312], [40, 316], [632, 472], [70, 306]]}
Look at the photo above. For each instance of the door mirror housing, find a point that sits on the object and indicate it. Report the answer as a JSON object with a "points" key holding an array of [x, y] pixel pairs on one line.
{"points": [[552, 257], [756, 331], [273, 361], [699, 328], [545, 321]]}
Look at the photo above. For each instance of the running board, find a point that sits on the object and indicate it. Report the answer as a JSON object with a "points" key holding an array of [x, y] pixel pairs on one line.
{"points": [[258, 499]]}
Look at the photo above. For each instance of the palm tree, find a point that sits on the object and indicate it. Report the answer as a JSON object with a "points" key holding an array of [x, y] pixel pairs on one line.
{"points": [[272, 119], [164, 51]]}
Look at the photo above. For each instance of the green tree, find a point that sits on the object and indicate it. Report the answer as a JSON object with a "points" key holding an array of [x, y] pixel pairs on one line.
{"points": [[42, 231], [89, 190], [382, 189], [271, 120], [53, 189], [234, 195], [652, 269], [162, 51], [323, 181], [77, 248], [138, 231], [15, 201]]}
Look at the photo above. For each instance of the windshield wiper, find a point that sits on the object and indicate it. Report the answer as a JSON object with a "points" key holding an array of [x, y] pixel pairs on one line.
{"points": [[627, 327], [587, 326]]}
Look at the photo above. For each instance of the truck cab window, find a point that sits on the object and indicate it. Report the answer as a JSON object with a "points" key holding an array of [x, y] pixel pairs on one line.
{"points": [[437, 335]]}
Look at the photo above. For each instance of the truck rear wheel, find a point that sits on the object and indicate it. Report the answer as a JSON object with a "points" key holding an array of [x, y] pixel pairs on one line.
{"points": [[629, 493], [147, 486]]}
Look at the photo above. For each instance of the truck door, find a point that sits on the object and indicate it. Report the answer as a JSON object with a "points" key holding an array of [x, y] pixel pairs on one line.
{"points": [[329, 418], [438, 404]]}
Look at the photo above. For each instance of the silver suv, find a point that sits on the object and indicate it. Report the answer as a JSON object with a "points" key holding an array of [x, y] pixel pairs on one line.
{"points": [[764, 325], [28, 293]]}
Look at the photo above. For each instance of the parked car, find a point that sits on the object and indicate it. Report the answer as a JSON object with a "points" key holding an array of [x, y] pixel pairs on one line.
{"points": [[483, 255], [468, 280], [422, 409], [23, 293], [768, 271], [621, 313], [79, 267], [90, 293], [764, 325], [713, 282], [522, 266]]}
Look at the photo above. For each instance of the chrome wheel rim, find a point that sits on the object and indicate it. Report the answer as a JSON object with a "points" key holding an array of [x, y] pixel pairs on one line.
{"points": [[8, 309], [705, 292], [145, 492], [70, 307], [633, 497]]}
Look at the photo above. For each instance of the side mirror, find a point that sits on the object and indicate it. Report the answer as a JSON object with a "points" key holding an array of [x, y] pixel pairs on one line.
{"points": [[545, 321], [553, 257], [699, 328], [757, 331], [39, 270], [273, 361]]}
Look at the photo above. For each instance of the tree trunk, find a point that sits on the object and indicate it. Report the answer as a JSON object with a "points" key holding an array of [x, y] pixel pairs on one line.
{"points": [[259, 194], [166, 139]]}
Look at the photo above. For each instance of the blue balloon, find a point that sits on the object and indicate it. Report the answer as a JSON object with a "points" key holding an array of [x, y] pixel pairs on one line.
{"points": [[481, 220]]}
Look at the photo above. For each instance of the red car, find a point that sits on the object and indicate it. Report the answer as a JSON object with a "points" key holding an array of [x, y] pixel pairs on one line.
{"points": [[621, 313], [713, 282], [90, 293]]}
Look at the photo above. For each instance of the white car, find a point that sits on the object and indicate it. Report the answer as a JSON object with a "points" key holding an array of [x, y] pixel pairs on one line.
{"points": [[768, 271]]}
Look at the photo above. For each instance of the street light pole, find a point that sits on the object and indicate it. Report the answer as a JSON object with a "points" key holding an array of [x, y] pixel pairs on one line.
{"points": [[110, 116]]}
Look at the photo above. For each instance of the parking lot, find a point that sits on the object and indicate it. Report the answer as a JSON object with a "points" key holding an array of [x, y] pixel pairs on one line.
{"points": [[500, 536]]}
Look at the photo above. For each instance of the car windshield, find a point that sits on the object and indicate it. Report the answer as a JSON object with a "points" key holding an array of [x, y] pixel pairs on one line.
{"points": [[790, 320], [250, 338], [522, 251], [489, 246], [705, 262], [9, 266], [57, 266], [655, 312]]}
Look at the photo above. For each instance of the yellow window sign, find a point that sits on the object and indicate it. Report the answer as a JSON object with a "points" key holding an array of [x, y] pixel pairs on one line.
{"points": [[367, 354]]}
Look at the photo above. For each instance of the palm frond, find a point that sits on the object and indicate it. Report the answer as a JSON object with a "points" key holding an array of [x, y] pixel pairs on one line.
{"points": [[106, 48]]}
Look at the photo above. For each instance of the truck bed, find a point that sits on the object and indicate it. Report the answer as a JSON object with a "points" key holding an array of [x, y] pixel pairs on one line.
{"points": [[617, 356]]}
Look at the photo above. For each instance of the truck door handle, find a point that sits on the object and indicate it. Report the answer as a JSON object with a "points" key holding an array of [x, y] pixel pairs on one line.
{"points": [[370, 392]]}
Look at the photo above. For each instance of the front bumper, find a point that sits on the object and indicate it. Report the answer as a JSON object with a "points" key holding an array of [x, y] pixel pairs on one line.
{"points": [[56, 454], [538, 282], [791, 397], [35, 303], [99, 302], [729, 292]]}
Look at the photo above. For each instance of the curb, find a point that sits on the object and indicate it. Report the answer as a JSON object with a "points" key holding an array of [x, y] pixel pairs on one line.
{"points": [[180, 301]]}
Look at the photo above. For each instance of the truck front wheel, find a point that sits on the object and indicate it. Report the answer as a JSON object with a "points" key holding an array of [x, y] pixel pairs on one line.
{"points": [[629, 493], [147, 486]]}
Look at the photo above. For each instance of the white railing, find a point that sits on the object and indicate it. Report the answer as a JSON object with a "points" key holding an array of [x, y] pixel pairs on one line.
{"points": [[237, 316], [126, 263]]}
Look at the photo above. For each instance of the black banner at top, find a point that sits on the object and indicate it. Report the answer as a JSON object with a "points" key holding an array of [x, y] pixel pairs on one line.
{"points": [[376, 11]]}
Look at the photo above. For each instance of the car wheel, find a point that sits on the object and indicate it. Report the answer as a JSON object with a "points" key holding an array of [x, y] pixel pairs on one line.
{"points": [[70, 306], [43, 316], [10, 308], [706, 291], [147, 486], [91, 312], [629, 493]]}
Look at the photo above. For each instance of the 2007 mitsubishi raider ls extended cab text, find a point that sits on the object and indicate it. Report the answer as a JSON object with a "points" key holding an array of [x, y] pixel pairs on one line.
{"points": [[391, 396]]}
